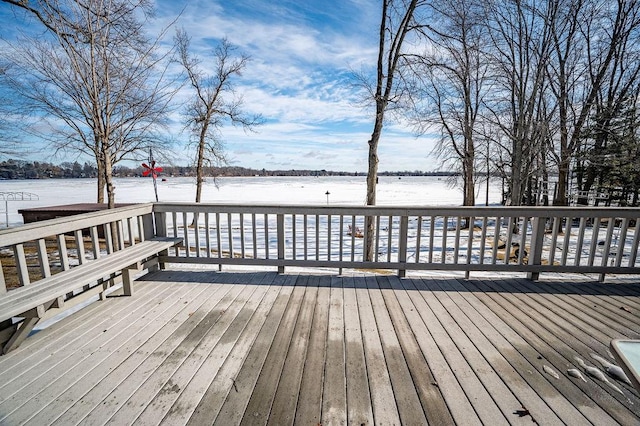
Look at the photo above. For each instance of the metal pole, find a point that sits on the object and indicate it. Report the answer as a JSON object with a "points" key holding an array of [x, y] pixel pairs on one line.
{"points": [[6, 211]]}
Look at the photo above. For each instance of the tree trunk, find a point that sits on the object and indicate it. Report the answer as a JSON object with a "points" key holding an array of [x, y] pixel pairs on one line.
{"points": [[108, 178], [200, 164], [372, 179], [200, 168], [515, 184], [563, 182], [469, 184], [101, 179]]}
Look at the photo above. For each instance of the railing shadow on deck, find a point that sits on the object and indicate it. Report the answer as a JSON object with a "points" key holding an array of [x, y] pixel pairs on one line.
{"points": [[577, 286]]}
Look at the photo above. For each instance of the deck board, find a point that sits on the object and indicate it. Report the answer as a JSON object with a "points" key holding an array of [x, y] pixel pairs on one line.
{"points": [[359, 410], [204, 347], [309, 406], [285, 400], [334, 397]]}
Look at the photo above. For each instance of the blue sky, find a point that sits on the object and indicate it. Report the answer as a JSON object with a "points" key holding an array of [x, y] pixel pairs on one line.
{"points": [[300, 79]]}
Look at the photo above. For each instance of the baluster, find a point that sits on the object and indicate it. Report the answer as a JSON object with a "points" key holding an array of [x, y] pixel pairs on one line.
{"points": [[329, 237], [230, 234], [353, 239], [456, 247], [341, 238], [62, 251], [293, 232], [80, 246], [522, 248], [21, 264], [218, 237], [432, 230], [554, 239], [132, 238], [389, 237], [43, 258], [496, 240], [377, 237], [305, 237], [280, 237], [317, 237], [580, 242], [254, 240], [242, 243], [185, 229], [566, 244], [606, 249], [507, 245], [207, 230], [469, 244], [595, 231], [108, 238], [95, 242], [142, 227], [266, 235], [418, 238], [622, 238], [443, 253], [196, 232], [483, 239], [120, 235]]}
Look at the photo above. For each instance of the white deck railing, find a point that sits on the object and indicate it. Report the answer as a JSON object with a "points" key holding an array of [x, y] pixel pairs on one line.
{"points": [[41, 249], [582, 240]]}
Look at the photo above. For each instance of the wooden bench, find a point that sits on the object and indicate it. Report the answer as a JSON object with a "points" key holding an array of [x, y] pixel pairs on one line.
{"points": [[33, 300]]}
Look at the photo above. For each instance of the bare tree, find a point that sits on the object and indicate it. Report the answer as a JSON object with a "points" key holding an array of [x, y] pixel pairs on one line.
{"points": [[518, 53], [590, 39], [452, 81], [99, 81], [397, 21], [614, 109], [214, 102]]}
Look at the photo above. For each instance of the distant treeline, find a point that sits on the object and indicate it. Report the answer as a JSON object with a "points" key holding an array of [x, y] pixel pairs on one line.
{"points": [[20, 169]]}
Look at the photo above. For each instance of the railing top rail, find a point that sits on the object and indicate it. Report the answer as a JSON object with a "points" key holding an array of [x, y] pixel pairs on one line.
{"points": [[36, 230], [463, 211]]}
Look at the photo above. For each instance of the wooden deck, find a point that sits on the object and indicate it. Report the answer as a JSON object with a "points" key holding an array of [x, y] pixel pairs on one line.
{"points": [[202, 347]]}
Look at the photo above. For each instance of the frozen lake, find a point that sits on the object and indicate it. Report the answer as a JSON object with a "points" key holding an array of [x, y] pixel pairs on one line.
{"points": [[418, 191]]}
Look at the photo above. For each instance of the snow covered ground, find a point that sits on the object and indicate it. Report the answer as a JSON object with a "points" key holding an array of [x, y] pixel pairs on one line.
{"points": [[418, 191]]}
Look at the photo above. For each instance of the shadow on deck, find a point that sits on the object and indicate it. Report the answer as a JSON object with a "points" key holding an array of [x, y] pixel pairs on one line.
{"points": [[257, 347]]}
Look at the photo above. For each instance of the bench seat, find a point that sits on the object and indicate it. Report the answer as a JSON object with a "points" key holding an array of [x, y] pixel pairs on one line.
{"points": [[32, 300]]}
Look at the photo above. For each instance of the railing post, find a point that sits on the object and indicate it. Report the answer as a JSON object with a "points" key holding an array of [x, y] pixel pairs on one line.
{"points": [[537, 241], [147, 225], [161, 224], [160, 230], [280, 238], [402, 244]]}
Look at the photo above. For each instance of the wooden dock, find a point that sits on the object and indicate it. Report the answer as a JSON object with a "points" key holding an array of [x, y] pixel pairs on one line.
{"points": [[202, 347]]}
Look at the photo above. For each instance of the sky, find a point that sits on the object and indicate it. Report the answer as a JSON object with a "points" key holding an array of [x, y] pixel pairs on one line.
{"points": [[300, 79]]}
